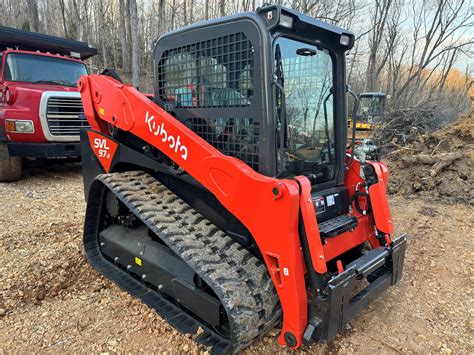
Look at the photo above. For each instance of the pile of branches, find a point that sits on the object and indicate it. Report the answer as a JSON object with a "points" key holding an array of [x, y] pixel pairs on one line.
{"points": [[402, 127], [438, 164]]}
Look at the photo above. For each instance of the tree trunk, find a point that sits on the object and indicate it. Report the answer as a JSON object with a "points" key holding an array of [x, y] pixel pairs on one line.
{"points": [[206, 8], [161, 18], [80, 19], [191, 11], [222, 7], [173, 14], [123, 37], [33, 15], [129, 33], [185, 12], [61, 3], [102, 33], [135, 39]]}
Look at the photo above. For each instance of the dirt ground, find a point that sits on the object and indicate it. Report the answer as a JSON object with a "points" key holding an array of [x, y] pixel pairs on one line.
{"points": [[52, 300]]}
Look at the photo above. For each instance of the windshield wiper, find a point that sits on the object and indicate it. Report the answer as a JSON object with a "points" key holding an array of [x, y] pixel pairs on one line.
{"points": [[53, 82]]}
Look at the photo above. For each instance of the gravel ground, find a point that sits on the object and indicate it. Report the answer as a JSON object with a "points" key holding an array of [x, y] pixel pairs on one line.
{"points": [[52, 300]]}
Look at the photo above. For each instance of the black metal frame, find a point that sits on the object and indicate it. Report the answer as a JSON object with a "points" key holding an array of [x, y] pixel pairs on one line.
{"points": [[313, 31], [154, 263], [336, 304]]}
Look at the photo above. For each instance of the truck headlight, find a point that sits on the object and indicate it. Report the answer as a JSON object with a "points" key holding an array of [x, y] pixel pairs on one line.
{"points": [[19, 126]]}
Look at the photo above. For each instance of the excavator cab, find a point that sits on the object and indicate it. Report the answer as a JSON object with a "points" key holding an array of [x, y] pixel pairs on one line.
{"points": [[369, 109], [229, 204]]}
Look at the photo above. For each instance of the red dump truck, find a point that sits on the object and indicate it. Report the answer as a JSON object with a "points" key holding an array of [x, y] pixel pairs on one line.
{"points": [[40, 108]]}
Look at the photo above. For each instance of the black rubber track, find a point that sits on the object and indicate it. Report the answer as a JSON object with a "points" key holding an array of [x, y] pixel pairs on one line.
{"points": [[239, 280]]}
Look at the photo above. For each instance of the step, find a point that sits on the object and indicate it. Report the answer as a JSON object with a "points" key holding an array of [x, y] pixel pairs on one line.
{"points": [[338, 225]]}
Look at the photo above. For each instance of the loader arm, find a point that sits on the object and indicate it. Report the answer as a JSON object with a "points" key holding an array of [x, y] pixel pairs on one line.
{"points": [[268, 207]]}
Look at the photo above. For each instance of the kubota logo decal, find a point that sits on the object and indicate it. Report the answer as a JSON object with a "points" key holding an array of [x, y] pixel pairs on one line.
{"points": [[159, 130], [104, 148]]}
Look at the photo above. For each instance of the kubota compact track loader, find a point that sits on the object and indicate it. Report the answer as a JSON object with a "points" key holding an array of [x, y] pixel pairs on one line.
{"points": [[229, 204]]}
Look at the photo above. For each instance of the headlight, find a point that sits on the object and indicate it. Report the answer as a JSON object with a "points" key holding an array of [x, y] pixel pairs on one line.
{"points": [[19, 126]]}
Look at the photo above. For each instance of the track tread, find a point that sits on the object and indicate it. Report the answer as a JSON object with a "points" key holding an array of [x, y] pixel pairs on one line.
{"points": [[239, 279]]}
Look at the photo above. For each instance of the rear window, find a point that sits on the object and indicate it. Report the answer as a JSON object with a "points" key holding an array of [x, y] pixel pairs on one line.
{"points": [[213, 73]]}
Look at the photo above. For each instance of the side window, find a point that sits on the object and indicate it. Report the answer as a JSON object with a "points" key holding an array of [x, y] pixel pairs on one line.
{"points": [[214, 73]]}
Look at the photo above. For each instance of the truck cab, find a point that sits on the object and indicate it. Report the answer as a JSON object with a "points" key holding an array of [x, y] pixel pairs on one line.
{"points": [[41, 110]]}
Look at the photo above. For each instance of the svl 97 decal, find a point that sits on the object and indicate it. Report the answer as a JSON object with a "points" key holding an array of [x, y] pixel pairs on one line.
{"points": [[103, 147]]}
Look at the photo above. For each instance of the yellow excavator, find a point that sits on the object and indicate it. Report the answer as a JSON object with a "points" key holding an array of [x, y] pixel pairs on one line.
{"points": [[369, 108]]}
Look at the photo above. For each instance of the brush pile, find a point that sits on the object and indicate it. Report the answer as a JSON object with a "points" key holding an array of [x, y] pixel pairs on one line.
{"points": [[437, 165], [402, 127]]}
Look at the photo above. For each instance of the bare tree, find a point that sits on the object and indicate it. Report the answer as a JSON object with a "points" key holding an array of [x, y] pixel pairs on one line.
{"points": [[222, 8], [101, 31], [410, 50], [123, 36], [162, 13], [380, 18], [135, 39], [63, 17], [33, 15], [439, 29]]}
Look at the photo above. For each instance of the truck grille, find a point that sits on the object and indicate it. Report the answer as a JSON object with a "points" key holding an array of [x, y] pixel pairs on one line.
{"points": [[65, 116]]}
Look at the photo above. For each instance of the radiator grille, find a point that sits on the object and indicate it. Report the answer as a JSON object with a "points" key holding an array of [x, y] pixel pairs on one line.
{"points": [[65, 116]]}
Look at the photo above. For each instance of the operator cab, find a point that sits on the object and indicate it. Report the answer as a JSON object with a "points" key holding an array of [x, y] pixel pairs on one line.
{"points": [[267, 87], [371, 107]]}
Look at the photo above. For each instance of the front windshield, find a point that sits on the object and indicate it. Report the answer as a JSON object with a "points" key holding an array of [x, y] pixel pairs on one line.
{"points": [[42, 69], [306, 74], [370, 106]]}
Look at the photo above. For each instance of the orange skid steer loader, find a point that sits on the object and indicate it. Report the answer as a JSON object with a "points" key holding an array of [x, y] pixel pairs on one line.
{"points": [[229, 202]]}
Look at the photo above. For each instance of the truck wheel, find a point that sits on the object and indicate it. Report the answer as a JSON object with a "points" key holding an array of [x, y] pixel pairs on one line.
{"points": [[10, 167]]}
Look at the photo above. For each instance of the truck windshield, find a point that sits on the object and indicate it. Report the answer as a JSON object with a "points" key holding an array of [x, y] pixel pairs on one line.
{"points": [[304, 73], [42, 69]]}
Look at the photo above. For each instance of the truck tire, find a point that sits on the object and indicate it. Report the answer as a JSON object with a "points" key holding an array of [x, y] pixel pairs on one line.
{"points": [[10, 167]]}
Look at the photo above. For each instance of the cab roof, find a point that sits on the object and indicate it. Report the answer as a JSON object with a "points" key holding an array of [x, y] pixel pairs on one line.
{"points": [[303, 25]]}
